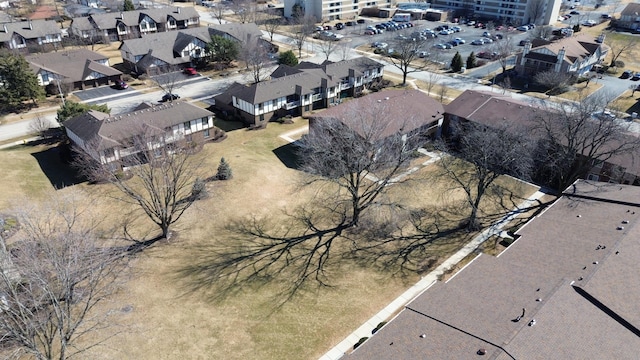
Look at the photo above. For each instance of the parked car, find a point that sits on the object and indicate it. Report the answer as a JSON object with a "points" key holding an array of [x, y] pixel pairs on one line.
{"points": [[636, 76], [169, 97], [486, 34], [626, 74], [460, 41], [350, 23], [360, 21], [456, 28], [190, 71], [522, 28], [120, 85], [477, 42], [339, 26], [605, 16], [589, 23], [471, 23], [423, 54], [574, 12], [487, 40], [498, 36], [370, 32], [318, 28]]}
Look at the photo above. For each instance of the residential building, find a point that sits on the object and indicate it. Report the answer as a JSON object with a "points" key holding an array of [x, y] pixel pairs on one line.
{"points": [[574, 55], [110, 139], [405, 112], [167, 51], [31, 36], [298, 90], [513, 12], [495, 110], [566, 288], [630, 17], [117, 26], [329, 10], [79, 68]]}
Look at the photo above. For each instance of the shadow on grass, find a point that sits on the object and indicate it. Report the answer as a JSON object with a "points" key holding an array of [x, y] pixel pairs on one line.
{"points": [[59, 173], [288, 155]]}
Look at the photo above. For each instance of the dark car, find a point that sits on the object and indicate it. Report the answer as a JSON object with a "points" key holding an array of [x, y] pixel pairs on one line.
{"points": [[360, 21], [190, 71], [339, 26], [626, 74], [636, 76], [350, 23], [575, 12], [170, 97], [120, 85]]}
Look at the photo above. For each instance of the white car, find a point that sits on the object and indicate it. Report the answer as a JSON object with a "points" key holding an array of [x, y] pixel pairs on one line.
{"points": [[460, 41], [423, 54], [477, 42]]}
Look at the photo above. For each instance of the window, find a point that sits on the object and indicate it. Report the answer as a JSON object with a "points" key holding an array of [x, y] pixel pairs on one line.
{"points": [[262, 117], [205, 122], [206, 133], [593, 177], [187, 125], [274, 103]]}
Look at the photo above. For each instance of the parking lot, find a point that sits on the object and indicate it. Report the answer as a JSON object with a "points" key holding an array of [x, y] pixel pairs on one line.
{"points": [[466, 35]]}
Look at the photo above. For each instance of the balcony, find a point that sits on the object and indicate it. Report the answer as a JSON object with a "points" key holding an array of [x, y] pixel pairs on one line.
{"points": [[292, 105], [316, 97]]}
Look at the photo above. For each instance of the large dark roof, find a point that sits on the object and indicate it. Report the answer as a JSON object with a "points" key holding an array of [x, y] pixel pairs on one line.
{"points": [[72, 65], [575, 271], [403, 110]]}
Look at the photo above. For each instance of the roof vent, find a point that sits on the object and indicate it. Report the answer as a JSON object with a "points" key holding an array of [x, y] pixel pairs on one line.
{"points": [[579, 216], [386, 98], [481, 351], [620, 228], [379, 100], [422, 336], [625, 221]]}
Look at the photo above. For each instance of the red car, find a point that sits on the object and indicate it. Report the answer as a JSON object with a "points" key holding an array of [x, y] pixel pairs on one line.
{"points": [[190, 71]]}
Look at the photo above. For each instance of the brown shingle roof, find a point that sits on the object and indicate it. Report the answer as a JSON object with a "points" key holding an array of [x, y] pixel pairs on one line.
{"points": [[406, 110], [576, 48], [557, 252]]}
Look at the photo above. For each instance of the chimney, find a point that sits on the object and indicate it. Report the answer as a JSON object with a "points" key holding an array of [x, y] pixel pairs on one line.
{"points": [[4, 28], [527, 49], [30, 25], [560, 59], [178, 9], [122, 15]]}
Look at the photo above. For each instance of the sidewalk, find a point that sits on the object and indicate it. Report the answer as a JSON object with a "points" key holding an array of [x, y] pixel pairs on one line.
{"points": [[425, 283]]}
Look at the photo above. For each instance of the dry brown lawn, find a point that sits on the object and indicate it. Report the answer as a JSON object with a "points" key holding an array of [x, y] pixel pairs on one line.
{"points": [[169, 319]]}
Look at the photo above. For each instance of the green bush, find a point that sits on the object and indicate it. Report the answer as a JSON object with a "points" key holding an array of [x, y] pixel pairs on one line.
{"points": [[383, 323]]}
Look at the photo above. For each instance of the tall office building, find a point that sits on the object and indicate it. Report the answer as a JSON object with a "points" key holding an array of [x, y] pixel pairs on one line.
{"points": [[515, 12], [328, 10]]}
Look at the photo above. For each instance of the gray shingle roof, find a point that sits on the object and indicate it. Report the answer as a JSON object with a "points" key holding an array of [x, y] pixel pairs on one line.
{"points": [[545, 271], [31, 29], [73, 65], [167, 45], [132, 18], [241, 32], [303, 78], [112, 130]]}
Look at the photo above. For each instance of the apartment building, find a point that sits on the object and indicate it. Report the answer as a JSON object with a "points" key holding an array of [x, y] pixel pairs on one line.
{"points": [[515, 12], [329, 10]]}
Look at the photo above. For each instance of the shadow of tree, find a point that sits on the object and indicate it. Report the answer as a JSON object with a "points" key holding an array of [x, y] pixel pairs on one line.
{"points": [[59, 173], [288, 155]]}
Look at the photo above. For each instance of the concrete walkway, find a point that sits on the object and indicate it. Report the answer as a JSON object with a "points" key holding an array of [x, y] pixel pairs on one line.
{"points": [[399, 303]]}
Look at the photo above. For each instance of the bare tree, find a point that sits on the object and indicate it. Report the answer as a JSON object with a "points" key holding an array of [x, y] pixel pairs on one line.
{"points": [[40, 125], [256, 59], [328, 47], [573, 140], [553, 81], [620, 46], [442, 92], [244, 10], [303, 28], [168, 82], [541, 32], [430, 81], [536, 8], [52, 280], [505, 84], [405, 51], [343, 51], [218, 11], [271, 22], [161, 171], [481, 156], [353, 154], [503, 49]]}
